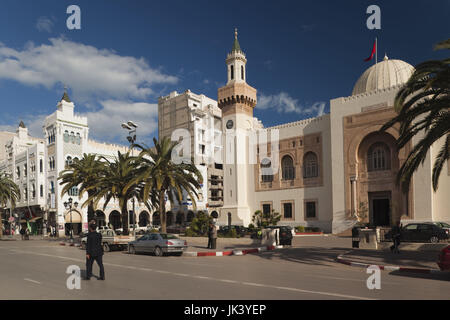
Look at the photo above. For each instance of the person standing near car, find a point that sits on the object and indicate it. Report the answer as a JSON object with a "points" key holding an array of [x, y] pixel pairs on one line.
{"points": [[210, 226], [396, 233], [94, 251]]}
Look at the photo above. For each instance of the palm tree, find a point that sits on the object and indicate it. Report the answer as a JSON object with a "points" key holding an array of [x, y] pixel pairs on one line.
{"points": [[423, 107], [161, 177], [116, 176], [84, 174], [9, 192]]}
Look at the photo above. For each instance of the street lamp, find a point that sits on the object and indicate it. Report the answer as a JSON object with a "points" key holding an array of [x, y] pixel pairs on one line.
{"points": [[132, 128], [68, 206]]}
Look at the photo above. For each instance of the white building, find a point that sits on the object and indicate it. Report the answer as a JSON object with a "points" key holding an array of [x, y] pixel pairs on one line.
{"points": [[330, 169], [197, 118], [37, 163]]}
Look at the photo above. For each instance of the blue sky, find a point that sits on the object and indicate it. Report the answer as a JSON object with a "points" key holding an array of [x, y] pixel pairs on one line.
{"points": [[300, 54]]}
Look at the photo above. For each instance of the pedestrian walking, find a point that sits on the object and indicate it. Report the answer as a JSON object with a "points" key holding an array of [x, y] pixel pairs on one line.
{"points": [[213, 236], [94, 251], [396, 233]]}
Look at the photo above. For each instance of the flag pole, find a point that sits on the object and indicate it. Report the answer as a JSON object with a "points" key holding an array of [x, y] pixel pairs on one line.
{"points": [[376, 62]]}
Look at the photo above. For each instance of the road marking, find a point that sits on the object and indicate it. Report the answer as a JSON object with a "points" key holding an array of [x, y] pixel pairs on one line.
{"points": [[338, 295], [30, 280]]}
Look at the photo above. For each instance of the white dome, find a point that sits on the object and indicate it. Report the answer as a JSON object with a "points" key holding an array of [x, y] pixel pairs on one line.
{"points": [[390, 73]]}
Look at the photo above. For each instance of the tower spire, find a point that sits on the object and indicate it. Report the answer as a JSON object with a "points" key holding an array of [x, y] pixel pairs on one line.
{"points": [[65, 97]]}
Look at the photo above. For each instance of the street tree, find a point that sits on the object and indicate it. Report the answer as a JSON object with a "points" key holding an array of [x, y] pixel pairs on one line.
{"points": [[164, 179], [9, 193], [423, 107]]}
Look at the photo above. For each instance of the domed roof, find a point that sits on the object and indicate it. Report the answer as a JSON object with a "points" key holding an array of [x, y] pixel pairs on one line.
{"points": [[390, 73]]}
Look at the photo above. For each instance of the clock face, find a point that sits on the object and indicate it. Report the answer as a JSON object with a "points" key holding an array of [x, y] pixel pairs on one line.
{"points": [[229, 124]]}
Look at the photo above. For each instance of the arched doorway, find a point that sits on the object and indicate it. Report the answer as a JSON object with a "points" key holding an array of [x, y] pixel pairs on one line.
{"points": [[72, 221], [156, 220], [180, 218], [144, 219], [190, 216], [100, 218], [169, 218], [115, 221], [376, 197]]}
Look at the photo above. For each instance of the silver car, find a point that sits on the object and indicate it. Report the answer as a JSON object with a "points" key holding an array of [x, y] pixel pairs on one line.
{"points": [[158, 243]]}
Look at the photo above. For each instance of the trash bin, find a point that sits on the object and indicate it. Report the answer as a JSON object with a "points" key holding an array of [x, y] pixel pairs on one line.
{"points": [[355, 237]]}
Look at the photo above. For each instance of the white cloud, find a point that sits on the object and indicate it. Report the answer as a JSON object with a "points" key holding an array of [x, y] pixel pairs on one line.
{"points": [[44, 24], [284, 103], [33, 122], [104, 124], [90, 73]]}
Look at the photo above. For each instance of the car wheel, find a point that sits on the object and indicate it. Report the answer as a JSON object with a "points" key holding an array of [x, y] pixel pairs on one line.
{"points": [[434, 239], [132, 250], [158, 252], [106, 247]]}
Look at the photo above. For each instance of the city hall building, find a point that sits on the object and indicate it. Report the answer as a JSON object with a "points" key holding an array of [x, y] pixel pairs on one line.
{"points": [[331, 168]]}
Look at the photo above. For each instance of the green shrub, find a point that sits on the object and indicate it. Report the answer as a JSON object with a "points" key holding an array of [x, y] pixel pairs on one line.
{"points": [[300, 229], [191, 233], [316, 229]]}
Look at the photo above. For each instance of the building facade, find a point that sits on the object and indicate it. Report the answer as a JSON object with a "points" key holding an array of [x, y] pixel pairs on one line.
{"points": [[35, 165], [197, 119]]}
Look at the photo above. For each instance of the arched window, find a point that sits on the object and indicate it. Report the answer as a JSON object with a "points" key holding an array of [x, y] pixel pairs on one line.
{"points": [[378, 157], [266, 170], [242, 72], [310, 165], [66, 136], [78, 139], [287, 167], [232, 72], [72, 137], [68, 161]]}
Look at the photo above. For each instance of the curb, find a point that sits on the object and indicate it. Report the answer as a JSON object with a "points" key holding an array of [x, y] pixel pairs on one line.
{"points": [[241, 252], [69, 244], [309, 233], [340, 259]]}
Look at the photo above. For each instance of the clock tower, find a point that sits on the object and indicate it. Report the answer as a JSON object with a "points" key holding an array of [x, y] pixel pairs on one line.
{"points": [[236, 100]]}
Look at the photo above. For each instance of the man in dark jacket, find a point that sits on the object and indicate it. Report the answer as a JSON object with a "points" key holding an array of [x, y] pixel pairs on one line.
{"points": [[94, 251]]}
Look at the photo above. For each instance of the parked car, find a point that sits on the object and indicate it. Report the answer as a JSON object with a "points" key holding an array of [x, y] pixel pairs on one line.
{"points": [[424, 232], [158, 244], [444, 259], [110, 240], [444, 226], [240, 230], [285, 234]]}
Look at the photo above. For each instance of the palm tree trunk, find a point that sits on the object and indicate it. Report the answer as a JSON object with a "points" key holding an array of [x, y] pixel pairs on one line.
{"points": [[125, 218], [162, 208]]}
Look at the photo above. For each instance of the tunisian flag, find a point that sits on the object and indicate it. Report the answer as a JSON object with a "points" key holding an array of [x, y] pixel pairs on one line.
{"points": [[373, 51]]}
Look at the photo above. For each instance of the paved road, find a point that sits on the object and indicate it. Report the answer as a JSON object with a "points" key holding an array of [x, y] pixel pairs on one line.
{"points": [[36, 270]]}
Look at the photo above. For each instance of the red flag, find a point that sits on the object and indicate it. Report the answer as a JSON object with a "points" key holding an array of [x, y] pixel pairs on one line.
{"points": [[373, 51]]}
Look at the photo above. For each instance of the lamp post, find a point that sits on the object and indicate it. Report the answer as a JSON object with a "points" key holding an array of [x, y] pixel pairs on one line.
{"points": [[132, 128], [68, 206]]}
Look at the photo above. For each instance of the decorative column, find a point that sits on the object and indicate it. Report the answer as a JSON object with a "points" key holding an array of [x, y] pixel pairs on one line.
{"points": [[353, 180]]}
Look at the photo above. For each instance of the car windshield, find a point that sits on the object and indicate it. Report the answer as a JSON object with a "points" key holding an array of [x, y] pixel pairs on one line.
{"points": [[166, 236]]}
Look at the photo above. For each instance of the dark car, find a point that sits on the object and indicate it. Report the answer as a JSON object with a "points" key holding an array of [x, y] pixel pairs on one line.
{"points": [[240, 230], [444, 226], [422, 232], [285, 234]]}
